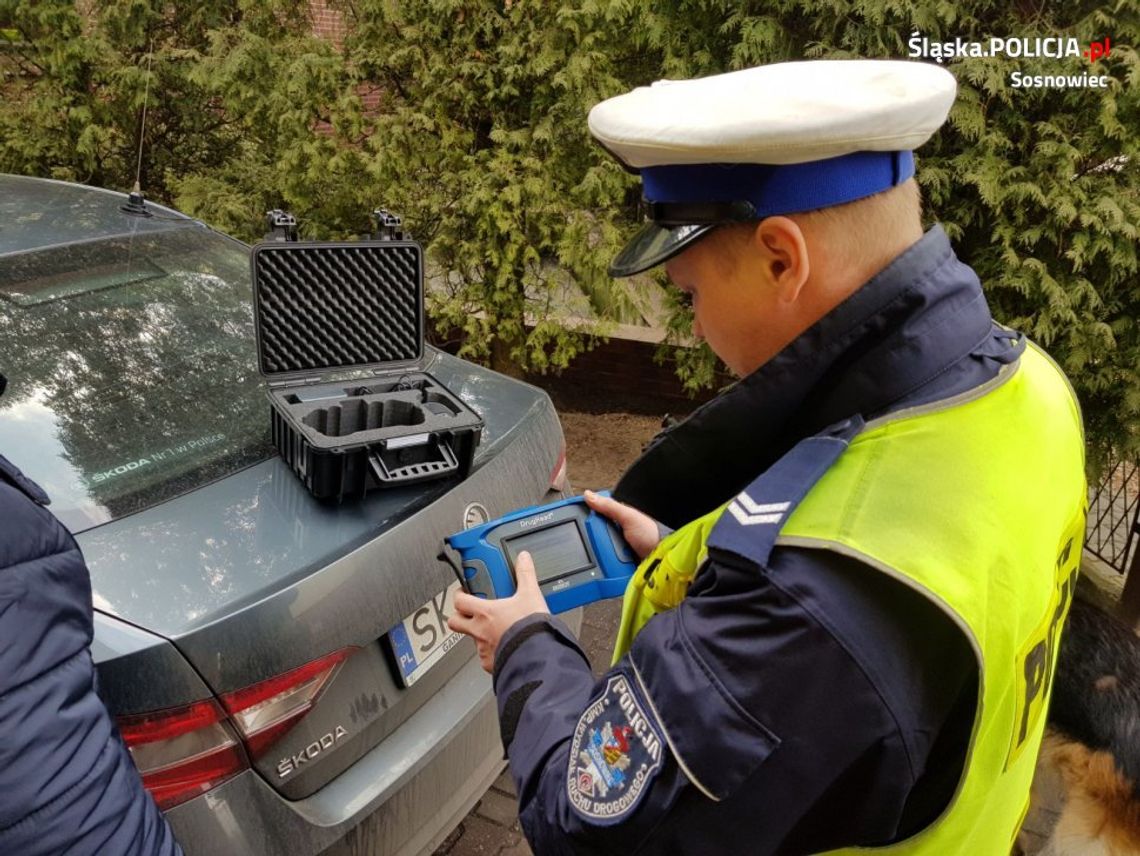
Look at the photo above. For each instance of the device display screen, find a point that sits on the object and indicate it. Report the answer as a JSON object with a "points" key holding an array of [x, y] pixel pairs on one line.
{"points": [[556, 550]]}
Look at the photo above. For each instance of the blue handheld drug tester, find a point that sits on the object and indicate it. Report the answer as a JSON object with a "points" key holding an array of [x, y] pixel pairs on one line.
{"points": [[579, 555]]}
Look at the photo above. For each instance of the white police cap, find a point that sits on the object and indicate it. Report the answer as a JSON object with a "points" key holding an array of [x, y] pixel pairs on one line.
{"points": [[776, 139]]}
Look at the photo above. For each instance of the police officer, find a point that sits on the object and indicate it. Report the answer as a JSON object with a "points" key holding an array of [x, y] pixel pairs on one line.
{"points": [[849, 638]]}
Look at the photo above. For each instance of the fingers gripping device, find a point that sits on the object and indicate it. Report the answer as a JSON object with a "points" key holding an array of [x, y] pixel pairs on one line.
{"points": [[579, 555]]}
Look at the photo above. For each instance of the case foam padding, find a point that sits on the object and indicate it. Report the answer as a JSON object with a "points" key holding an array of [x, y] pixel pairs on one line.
{"points": [[364, 413], [327, 307], [360, 419]]}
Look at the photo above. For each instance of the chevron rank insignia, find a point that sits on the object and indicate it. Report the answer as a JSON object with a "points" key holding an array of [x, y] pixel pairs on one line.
{"points": [[748, 512]]}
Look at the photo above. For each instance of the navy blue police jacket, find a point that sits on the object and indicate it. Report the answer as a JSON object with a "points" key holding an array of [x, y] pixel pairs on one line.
{"points": [[797, 700], [67, 782]]}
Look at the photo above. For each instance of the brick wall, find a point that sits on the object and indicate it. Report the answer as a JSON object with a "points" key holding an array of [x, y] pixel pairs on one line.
{"points": [[327, 23], [616, 376], [621, 375]]}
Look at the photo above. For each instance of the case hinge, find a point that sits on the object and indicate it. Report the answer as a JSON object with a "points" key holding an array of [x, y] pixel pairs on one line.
{"points": [[282, 225], [388, 226], [293, 381]]}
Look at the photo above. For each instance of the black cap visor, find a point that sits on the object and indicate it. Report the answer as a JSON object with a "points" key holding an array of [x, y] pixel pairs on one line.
{"points": [[655, 243]]}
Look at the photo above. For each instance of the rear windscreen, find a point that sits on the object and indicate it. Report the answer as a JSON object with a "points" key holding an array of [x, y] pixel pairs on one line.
{"points": [[131, 369]]}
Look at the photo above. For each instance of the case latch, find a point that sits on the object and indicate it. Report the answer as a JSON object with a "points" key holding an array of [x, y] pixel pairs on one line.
{"points": [[388, 226], [282, 225]]}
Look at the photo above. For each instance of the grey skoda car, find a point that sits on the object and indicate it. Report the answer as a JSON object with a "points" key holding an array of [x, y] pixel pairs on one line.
{"points": [[243, 630]]}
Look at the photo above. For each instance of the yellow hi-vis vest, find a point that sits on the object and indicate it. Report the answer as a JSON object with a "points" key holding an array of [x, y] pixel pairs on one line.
{"points": [[977, 502]]}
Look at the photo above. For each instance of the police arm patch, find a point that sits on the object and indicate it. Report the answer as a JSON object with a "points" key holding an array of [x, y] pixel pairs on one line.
{"points": [[615, 752]]}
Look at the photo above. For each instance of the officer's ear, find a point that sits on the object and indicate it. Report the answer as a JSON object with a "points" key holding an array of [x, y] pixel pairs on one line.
{"points": [[784, 256]]}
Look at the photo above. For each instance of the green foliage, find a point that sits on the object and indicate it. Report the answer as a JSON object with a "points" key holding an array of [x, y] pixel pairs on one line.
{"points": [[481, 143], [75, 87], [77, 76], [1038, 188], [468, 117]]}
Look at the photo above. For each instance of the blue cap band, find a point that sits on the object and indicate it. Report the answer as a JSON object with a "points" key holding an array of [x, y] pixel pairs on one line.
{"points": [[782, 189]]}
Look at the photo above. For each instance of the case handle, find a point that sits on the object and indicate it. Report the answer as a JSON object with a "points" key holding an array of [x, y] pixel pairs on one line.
{"points": [[445, 462]]}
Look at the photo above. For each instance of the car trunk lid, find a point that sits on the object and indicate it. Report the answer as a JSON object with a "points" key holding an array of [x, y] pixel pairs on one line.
{"points": [[251, 579]]}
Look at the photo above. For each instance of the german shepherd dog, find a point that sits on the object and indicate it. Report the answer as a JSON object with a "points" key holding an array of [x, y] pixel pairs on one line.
{"points": [[1092, 744]]}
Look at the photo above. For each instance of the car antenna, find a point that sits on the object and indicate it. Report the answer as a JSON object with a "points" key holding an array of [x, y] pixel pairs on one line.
{"points": [[136, 199]]}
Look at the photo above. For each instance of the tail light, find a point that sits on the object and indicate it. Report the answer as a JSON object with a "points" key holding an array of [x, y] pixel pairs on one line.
{"points": [[264, 712], [558, 480], [185, 751], [182, 752]]}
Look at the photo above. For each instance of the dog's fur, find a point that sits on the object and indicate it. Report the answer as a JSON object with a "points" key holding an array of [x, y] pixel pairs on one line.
{"points": [[1093, 738]]}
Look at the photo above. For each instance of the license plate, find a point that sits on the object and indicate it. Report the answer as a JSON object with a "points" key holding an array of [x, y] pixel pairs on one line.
{"points": [[421, 639]]}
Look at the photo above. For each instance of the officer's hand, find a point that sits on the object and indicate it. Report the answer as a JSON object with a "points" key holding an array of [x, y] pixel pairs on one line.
{"points": [[486, 620], [640, 530]]}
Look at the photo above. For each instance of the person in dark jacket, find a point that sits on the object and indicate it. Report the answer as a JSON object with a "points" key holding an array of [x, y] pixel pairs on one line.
{"points": [[67, 782], [849, 639]]}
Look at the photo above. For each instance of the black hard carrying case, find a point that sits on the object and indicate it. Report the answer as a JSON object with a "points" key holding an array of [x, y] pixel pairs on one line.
{"points": [[356, 309]]}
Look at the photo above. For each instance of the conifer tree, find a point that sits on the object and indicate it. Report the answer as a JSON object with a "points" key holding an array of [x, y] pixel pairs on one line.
{"points": [[468, 117]]}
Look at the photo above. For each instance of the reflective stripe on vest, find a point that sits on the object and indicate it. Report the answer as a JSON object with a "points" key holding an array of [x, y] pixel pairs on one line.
{"points": [[1005, 464]]}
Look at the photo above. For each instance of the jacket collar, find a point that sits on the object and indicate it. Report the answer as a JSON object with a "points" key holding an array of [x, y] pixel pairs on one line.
{"points": [[887, 342]]}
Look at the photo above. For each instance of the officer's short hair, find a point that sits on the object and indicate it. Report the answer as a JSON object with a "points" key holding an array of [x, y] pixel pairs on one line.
{"points": [[867, 223], [857, 227]]}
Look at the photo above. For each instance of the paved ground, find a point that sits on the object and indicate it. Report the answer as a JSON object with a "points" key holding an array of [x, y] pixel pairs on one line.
{"points": [[492, 828]]}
